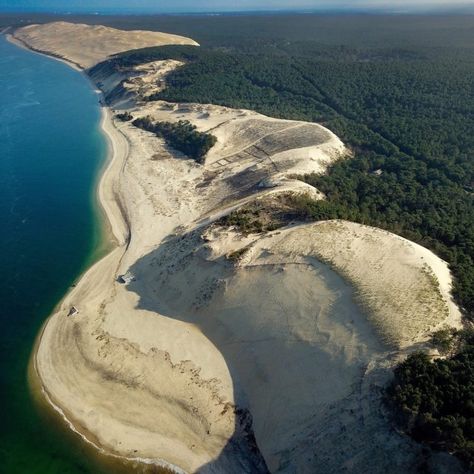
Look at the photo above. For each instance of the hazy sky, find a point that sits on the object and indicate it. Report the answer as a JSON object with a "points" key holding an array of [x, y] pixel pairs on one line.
{"points": [[226, 5]]}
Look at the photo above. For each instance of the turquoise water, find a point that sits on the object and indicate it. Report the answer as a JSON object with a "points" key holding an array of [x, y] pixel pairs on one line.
{"points": [[50, 156]]}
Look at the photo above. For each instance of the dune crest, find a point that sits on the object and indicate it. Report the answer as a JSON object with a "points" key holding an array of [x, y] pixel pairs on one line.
{"points": [[87, 45]]}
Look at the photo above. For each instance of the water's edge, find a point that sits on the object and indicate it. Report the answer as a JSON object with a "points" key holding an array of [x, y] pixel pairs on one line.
{"points": [[105, 241]]}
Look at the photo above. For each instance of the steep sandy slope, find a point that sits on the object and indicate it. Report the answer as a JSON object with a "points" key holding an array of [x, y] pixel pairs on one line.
{"points": [[404, 288], [87, 45], [300, 349]]}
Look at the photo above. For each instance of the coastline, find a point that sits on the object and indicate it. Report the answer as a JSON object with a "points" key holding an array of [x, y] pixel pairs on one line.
{"points": [[108, 197], [21, 44], [115, 221], [97, 282], [114, 342]]}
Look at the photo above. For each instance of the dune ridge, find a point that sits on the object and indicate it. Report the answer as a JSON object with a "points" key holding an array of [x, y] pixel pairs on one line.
{"points": [[87, 45]]}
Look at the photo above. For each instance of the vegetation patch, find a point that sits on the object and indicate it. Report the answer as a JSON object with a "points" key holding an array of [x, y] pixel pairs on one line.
{"points": [[124, 117], [447, 340], [182, 136], [250, 220], [266, 214], [434, 400], [237, 255]]}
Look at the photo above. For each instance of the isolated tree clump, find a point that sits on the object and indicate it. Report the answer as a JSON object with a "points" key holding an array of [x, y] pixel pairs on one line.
{"points": [[181, 135]]}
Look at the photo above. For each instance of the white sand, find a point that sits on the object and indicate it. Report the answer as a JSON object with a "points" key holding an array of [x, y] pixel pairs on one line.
{"points": [[157, 368]]}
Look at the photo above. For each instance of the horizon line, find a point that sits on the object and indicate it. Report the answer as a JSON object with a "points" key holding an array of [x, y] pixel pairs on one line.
{"points": [[455, 9]]}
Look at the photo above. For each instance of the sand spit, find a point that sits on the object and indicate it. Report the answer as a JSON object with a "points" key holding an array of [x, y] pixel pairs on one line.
{"points": [[233, 353], [87, 45]]}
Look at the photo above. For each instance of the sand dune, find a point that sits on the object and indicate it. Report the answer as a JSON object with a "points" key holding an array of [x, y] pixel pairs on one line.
{"points": [[404, 288], [230, 352], [87, 45], [291, 330]]}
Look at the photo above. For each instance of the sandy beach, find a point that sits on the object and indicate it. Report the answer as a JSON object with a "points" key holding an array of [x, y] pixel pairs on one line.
{"points": [[208, 362]]}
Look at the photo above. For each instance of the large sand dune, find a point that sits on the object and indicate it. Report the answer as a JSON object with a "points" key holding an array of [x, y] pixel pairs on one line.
{"points": [[290, 329], [237, 353], [87, 45]]}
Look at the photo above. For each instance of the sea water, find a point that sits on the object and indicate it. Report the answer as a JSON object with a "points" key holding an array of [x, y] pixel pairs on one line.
{"points": [[51, 153]]}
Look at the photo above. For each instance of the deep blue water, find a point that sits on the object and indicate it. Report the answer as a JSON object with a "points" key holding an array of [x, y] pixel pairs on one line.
{"points": [[51, 151]]}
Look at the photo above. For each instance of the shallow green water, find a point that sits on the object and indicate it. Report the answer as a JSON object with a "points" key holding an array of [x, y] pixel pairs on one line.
{"points": [[51, 151]]}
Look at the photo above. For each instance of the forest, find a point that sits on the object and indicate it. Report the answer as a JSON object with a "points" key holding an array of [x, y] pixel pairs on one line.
{"points": [[181, 136], [434, 400], [406, 111]]}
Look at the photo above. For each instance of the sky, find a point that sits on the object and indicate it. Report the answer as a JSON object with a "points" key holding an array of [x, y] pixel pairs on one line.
{"points": [[180, 6]]}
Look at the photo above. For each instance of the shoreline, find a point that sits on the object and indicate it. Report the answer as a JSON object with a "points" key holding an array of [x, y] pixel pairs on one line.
{"points": [[161, 453], [114, 223], [108, 129], [21, 44], [107, 196], [143, 369]]}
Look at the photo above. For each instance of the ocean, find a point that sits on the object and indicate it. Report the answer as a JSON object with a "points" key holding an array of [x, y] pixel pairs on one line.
{"points": [[51, 154]]}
